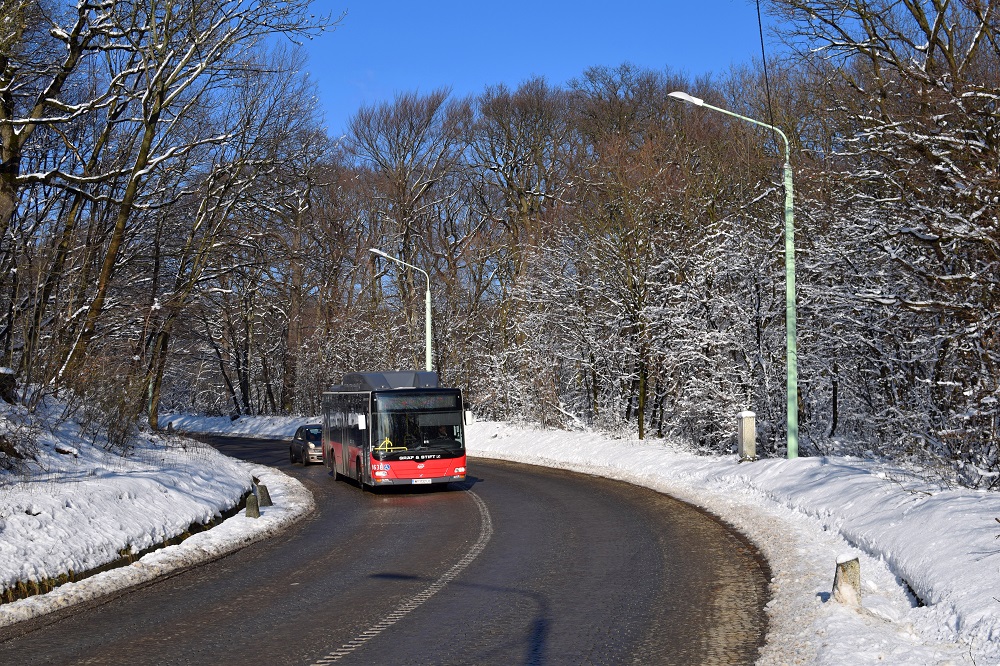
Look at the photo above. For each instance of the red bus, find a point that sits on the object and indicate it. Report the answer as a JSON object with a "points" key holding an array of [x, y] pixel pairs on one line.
{"points": [[394, 428]]}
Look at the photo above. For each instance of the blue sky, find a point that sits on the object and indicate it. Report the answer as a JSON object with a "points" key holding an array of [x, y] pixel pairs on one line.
{"points": [[384, 47]]}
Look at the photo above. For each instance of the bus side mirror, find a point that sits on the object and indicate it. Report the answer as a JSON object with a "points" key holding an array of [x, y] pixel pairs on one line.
{"points": [[469, 418], [362, 422]]}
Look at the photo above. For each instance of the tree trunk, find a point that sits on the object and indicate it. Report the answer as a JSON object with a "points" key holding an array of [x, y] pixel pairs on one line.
{"points": [[641, 409], [293, 330], [156, 380], [117, 238]]}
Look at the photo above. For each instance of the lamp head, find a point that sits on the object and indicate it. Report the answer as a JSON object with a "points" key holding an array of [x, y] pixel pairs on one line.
{"points": [[684, 97]]}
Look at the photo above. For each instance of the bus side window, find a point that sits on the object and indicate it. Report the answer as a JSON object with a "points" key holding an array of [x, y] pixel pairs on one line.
{"points": [[354, 429], [341, 425]]}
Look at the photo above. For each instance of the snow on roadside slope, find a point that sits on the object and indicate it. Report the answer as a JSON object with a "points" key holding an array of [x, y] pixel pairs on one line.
{"points": [[803, 514], [81, 509], [277, 427]]}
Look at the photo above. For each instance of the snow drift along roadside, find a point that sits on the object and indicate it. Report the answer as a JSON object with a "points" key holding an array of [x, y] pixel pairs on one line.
{"points": [[84, 507], [269, 427], [291, 501]]}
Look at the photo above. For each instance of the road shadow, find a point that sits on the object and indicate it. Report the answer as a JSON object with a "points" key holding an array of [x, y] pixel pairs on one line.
{"points": [[534, 642]]}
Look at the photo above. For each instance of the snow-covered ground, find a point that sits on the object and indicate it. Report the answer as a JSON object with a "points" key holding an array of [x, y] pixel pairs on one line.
{"points": [[83, 507], [930, 560]]}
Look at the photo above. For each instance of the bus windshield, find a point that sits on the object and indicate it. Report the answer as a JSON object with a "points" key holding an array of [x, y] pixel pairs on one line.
{"points": [[400, 435]]}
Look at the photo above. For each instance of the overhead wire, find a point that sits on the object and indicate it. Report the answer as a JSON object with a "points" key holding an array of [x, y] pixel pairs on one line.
{"points": [[763, 59]]}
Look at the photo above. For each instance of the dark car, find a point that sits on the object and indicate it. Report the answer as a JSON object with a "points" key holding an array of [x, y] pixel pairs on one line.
{"points": [[307, 445]]}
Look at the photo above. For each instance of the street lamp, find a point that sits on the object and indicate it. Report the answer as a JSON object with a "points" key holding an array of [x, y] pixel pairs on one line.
{"points": [[791, 352], [428, 354]]}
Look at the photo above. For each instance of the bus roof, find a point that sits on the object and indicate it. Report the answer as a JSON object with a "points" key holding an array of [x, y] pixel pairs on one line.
{"points": [[376, 381]]}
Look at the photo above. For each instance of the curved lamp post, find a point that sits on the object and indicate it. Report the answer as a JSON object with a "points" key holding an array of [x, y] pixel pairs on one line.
{"points": [[791, 351], [428, 354]]}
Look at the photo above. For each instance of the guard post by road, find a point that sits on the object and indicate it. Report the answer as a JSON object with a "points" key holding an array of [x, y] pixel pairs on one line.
{"points": [[746, 436]]}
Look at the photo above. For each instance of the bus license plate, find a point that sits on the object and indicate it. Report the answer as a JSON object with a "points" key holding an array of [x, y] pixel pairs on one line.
{"points": [[421, 480]]}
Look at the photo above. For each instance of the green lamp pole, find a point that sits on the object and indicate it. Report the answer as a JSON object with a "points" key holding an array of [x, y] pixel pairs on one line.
{"points": [[791, 351], [428, 353]]}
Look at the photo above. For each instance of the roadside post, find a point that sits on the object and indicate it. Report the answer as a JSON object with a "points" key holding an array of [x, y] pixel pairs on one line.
{"points": [[746, 436], [253, 508], [263, 497]]}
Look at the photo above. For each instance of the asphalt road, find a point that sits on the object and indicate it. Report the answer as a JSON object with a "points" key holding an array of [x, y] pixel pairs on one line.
{"points": [[518, 565]]}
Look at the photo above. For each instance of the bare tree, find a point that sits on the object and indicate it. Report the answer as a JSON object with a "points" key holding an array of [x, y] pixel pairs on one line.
{"points": [[118, 122], [410, 145], [917, 140]]}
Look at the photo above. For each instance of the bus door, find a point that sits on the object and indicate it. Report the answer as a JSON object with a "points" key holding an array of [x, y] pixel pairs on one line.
{"points": [[355, 410], [355, 437], [337, 437], [334, 432]]}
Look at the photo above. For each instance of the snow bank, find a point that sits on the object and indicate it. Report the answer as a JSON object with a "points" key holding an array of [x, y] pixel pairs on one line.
{"points": [[276, 427], [85, 507], [291, 501]]}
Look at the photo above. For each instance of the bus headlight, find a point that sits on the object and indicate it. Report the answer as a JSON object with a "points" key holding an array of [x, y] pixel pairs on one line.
{"points": [[381, 473], [459, 470]]}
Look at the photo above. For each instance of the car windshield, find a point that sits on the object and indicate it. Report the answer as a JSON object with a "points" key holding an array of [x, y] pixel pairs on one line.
{"points": [[311, 434], [421, 433]]}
